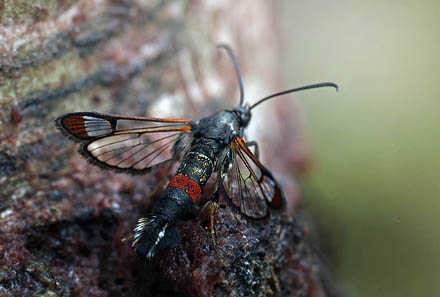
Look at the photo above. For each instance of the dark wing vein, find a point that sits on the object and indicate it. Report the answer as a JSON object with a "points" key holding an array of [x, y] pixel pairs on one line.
{"points": [[248, 184]]}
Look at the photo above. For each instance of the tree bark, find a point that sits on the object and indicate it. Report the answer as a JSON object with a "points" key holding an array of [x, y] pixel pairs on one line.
{"points": [[63, 220]]}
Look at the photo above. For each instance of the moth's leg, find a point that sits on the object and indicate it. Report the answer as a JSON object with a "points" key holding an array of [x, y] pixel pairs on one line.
{"points": [[257, 150], [212, 205]]}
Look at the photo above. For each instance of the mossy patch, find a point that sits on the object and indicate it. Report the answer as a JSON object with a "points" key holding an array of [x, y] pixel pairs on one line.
{"points": [[29, 11]]}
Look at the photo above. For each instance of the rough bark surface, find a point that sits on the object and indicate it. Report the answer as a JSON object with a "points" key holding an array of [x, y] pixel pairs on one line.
{"points": [[63, 220]]}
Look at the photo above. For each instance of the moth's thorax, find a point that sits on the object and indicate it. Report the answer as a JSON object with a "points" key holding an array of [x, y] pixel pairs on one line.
{"points": [[221, 126]]}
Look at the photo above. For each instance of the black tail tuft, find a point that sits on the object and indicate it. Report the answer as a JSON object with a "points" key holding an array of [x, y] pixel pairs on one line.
{"points": [[152, 233], [148, 233]]}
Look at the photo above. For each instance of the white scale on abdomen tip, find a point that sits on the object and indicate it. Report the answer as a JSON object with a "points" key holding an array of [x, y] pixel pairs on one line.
{"points": [[159, 237]]}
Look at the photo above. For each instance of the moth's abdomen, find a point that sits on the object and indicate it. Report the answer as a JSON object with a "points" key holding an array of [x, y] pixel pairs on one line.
{"points": [[193, 173], [188, 185], [159, 230]]}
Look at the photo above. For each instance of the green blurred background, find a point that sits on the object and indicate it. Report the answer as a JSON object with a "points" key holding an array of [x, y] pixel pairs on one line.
{"points": [[374, 188]]}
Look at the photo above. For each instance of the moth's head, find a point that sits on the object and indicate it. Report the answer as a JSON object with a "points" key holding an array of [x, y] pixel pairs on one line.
{"points": [[244, 114]]}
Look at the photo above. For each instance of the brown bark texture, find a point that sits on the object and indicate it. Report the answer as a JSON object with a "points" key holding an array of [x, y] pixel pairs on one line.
{"points": [[62, 220]]}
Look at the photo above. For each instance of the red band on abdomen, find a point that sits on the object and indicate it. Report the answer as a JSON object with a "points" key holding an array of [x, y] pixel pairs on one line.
{"points": [[190, 186]]}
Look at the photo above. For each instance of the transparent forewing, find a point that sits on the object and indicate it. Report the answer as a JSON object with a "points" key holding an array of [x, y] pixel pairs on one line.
{"points": [[130, 144], [90, 125], [248, 184]]}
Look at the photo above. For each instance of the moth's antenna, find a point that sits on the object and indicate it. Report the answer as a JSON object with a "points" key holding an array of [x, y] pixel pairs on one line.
{"points": [[314, 86], [237, 69]]}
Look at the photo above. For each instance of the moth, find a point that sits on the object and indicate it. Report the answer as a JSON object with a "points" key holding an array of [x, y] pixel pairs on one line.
{"points": [[214, 144]]}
